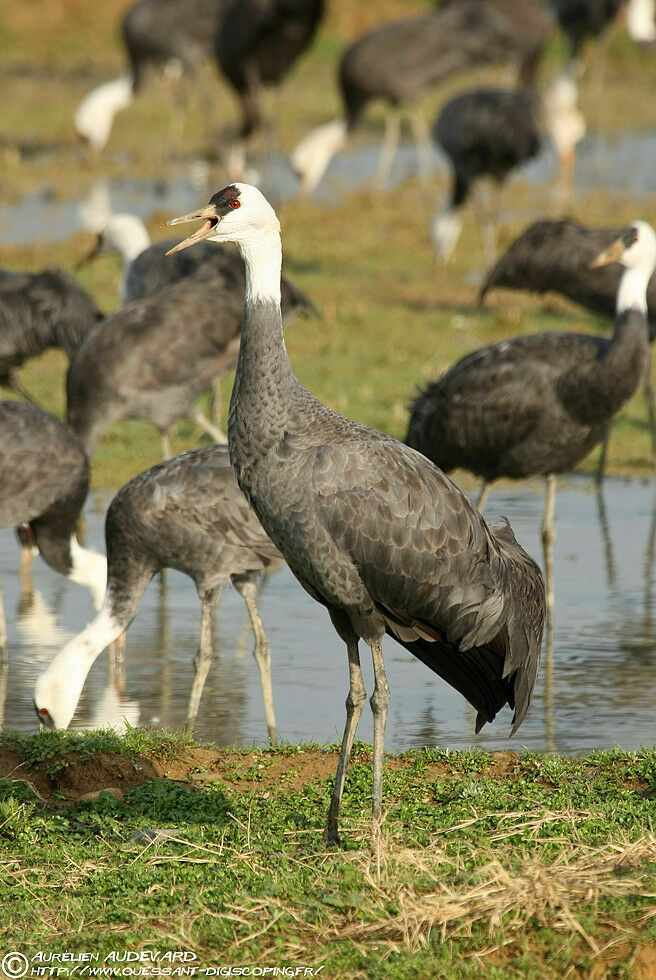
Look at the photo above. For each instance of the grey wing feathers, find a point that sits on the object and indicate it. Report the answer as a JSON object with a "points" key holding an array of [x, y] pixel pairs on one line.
{"points": [[446, 584]]}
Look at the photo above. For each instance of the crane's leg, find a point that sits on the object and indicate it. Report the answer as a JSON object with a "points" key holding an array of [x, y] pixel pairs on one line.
{"points": [[4, 668], [421, 134], [166, 445], [203, 659], [603, 456], [117, 663], [202, 420], [390, 144], [262, 654], [651, 408], [483, 495], [3, 629], [379, 701], [547, 543], [354, 703]]}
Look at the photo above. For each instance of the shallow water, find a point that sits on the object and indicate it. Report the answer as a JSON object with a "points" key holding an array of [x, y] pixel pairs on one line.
{"points": [[621, 162], [600, 689]]}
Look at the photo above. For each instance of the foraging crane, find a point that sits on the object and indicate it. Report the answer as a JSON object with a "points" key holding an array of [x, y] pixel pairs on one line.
{"points": [[189, 514]]}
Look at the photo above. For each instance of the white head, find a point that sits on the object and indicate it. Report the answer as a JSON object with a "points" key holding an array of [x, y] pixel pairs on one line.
{"points": [[57, 691], [640, 20], [565, 122], [95, 114], [240, 213], [445, 232], [310, 158], [635, 249]]}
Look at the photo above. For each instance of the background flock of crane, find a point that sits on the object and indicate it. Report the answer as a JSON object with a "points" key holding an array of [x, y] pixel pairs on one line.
{"points": [[514, 411]]}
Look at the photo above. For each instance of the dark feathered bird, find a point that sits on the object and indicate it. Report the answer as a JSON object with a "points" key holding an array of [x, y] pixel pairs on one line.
{"points": [[38, 311], [152, 359], [556, 256], [398, 62], [584, 19], [44, 478], [538, 404], [157, 34], [371, 529], [258, 42], [189, 514], [484, 133]]}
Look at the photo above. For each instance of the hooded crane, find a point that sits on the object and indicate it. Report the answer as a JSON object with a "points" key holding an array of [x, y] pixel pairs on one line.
{"points": [[399, 62], [370, 528], [490, 133], [189, 514], [44, 478], [37, 311], [538, 404], [175, 35], [557, 256], [152, 359], [257, 44]]}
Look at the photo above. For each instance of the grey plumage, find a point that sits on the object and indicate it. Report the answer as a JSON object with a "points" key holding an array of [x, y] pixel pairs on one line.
{"points": [[156, 32], [401, 60], [188, 513], [38, 311], [371, 529], [44, 478], [555, 256], [530, 405], [487, 132], [258, 42], [584, 19], [152, 358]]}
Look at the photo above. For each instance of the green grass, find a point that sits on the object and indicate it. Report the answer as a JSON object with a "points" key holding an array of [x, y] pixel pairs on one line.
{"points": [[500, 866]]}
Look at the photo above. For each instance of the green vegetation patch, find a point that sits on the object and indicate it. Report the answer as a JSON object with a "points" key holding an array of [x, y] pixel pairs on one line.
{"points": [[501, 865]]}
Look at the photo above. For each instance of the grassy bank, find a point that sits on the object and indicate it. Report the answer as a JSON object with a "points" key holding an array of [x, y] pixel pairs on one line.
{"points": [[503, 866]]}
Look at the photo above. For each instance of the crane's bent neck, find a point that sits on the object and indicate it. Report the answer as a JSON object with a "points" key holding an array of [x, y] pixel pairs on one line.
{"points": [[632, 291]]}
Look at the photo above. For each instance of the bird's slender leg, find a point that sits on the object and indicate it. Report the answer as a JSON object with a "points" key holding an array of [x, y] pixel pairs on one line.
{"points": [[605, 534], [3, 629], [354, 702], [203, 659], [262, 654], [390, 144], [117, 663], [603, 456], [651, 408], [166, 445], [212, 430], [25, 571], [547, 542], [379, 701], [421, 134], [483, 495], [4, 676]]}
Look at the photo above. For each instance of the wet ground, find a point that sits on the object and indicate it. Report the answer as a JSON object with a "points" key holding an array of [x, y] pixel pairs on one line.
{"points": [[598, 689], [619, 162]]}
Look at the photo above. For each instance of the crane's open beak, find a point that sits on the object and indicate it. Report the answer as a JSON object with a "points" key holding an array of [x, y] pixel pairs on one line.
{"points": [[207, 214], [611, 254]]}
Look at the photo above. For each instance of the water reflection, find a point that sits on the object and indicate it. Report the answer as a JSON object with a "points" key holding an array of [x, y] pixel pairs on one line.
{"points": [[596, 689]]}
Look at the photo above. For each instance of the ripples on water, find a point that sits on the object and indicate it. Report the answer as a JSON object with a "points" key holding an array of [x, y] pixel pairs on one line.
{"points": [[604, 677]]}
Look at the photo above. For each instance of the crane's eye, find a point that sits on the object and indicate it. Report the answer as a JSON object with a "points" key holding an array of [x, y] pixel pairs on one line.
{"points": [[235, 204], [43, 711]]}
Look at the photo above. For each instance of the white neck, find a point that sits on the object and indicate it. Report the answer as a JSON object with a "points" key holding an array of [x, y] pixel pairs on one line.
{"points": [[59, 687], [632, 291], [133, 244], [263, 260], [89, 569]]}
